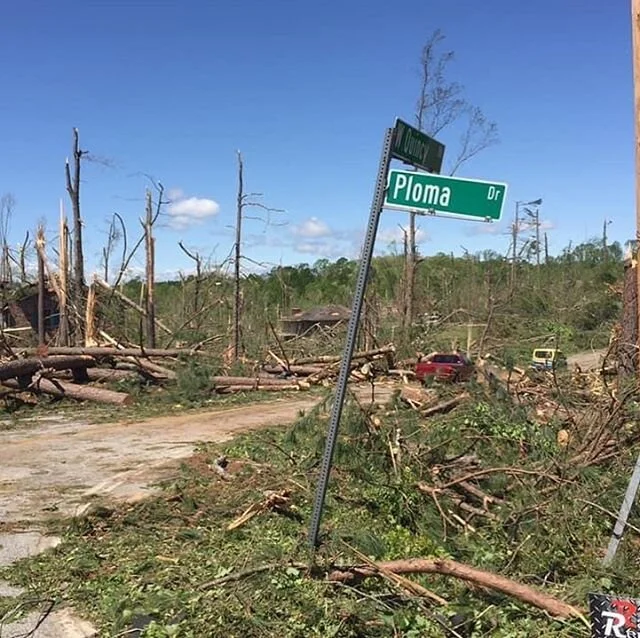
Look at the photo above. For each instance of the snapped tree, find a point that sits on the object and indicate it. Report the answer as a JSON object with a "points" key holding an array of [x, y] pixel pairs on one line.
{"points": [[243, 201], [442, 106]]}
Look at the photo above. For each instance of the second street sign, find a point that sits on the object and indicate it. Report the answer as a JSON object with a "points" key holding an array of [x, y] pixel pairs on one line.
{"points": [[415, 147], [436, 194]]}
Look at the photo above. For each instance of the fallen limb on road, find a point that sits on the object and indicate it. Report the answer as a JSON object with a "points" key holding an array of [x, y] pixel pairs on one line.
{"points": [[489, 580]]}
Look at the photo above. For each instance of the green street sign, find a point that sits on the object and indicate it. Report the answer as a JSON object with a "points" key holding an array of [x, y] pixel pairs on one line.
{"points": [[415, 147], [435, 194]]}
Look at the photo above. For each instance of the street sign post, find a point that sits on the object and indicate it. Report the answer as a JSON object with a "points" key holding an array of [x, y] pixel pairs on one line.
{"points": [[352, 333], [452, 196], [407, 191], [416, 148]]}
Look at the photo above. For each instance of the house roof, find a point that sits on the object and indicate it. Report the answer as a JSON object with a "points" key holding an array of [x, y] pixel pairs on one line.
{"points": [[320, 314]]}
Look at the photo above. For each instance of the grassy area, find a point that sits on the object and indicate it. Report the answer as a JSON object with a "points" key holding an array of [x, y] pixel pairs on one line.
{"points": [[171, 562]]}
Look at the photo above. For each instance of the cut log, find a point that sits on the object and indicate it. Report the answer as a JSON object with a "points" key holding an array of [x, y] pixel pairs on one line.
{"points": [[27, 367], [102, 351], [366, 354], [469, 574], [101, 375], [73, 391]]}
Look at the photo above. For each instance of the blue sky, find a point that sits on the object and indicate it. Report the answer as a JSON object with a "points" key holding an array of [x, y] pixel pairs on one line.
{"points": [[305, 90]]}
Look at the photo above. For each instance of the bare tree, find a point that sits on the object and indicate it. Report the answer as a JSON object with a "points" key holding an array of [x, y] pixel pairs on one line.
{"points": [[63, 273], [40, 243], [243, 201], [442, 105], [73, 188]]}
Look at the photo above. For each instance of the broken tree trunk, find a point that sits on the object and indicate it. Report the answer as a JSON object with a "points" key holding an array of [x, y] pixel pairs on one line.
{"points": [[417, 397], [480, 578], [41, 285], [73, 188], [237, 297], [628, 351], [63, 274], [27, 367], [132, 304], [149, 243], [73, 391], [90, 318]]}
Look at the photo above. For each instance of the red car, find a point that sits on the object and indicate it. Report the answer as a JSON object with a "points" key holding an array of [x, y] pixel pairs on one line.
{"points": [[445, 367]]}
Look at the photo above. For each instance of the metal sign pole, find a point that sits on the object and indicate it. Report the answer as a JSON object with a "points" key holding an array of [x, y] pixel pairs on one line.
{"points": [[352, 333], [623, 515]]}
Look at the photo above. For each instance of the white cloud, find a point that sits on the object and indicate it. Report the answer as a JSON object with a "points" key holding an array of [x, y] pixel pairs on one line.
{"points": [[322, 248], [312, 227], [187, 211]]}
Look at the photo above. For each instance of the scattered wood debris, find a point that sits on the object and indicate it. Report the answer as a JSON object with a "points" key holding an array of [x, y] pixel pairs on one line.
{"points": [[274, 501]]}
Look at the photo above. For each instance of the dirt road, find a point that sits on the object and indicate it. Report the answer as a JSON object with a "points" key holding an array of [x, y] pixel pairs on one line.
{"points": [[58, 467], [589, 360]]}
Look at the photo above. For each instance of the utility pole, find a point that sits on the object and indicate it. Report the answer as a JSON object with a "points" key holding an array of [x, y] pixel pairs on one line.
{"points": [[635, 26]]}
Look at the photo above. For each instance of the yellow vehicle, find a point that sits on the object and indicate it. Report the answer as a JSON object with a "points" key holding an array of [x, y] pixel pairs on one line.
{"points": [[547, 359]]}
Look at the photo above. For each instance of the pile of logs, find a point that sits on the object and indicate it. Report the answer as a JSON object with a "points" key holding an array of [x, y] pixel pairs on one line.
{"points": [[64, 372], [67, 371], [280, 374]]}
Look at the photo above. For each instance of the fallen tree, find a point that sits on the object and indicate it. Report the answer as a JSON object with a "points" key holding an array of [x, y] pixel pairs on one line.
{"points": [[104, 351], [101, 375], [61, 389], [478, 577], [297, 370], [27, 367]]}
